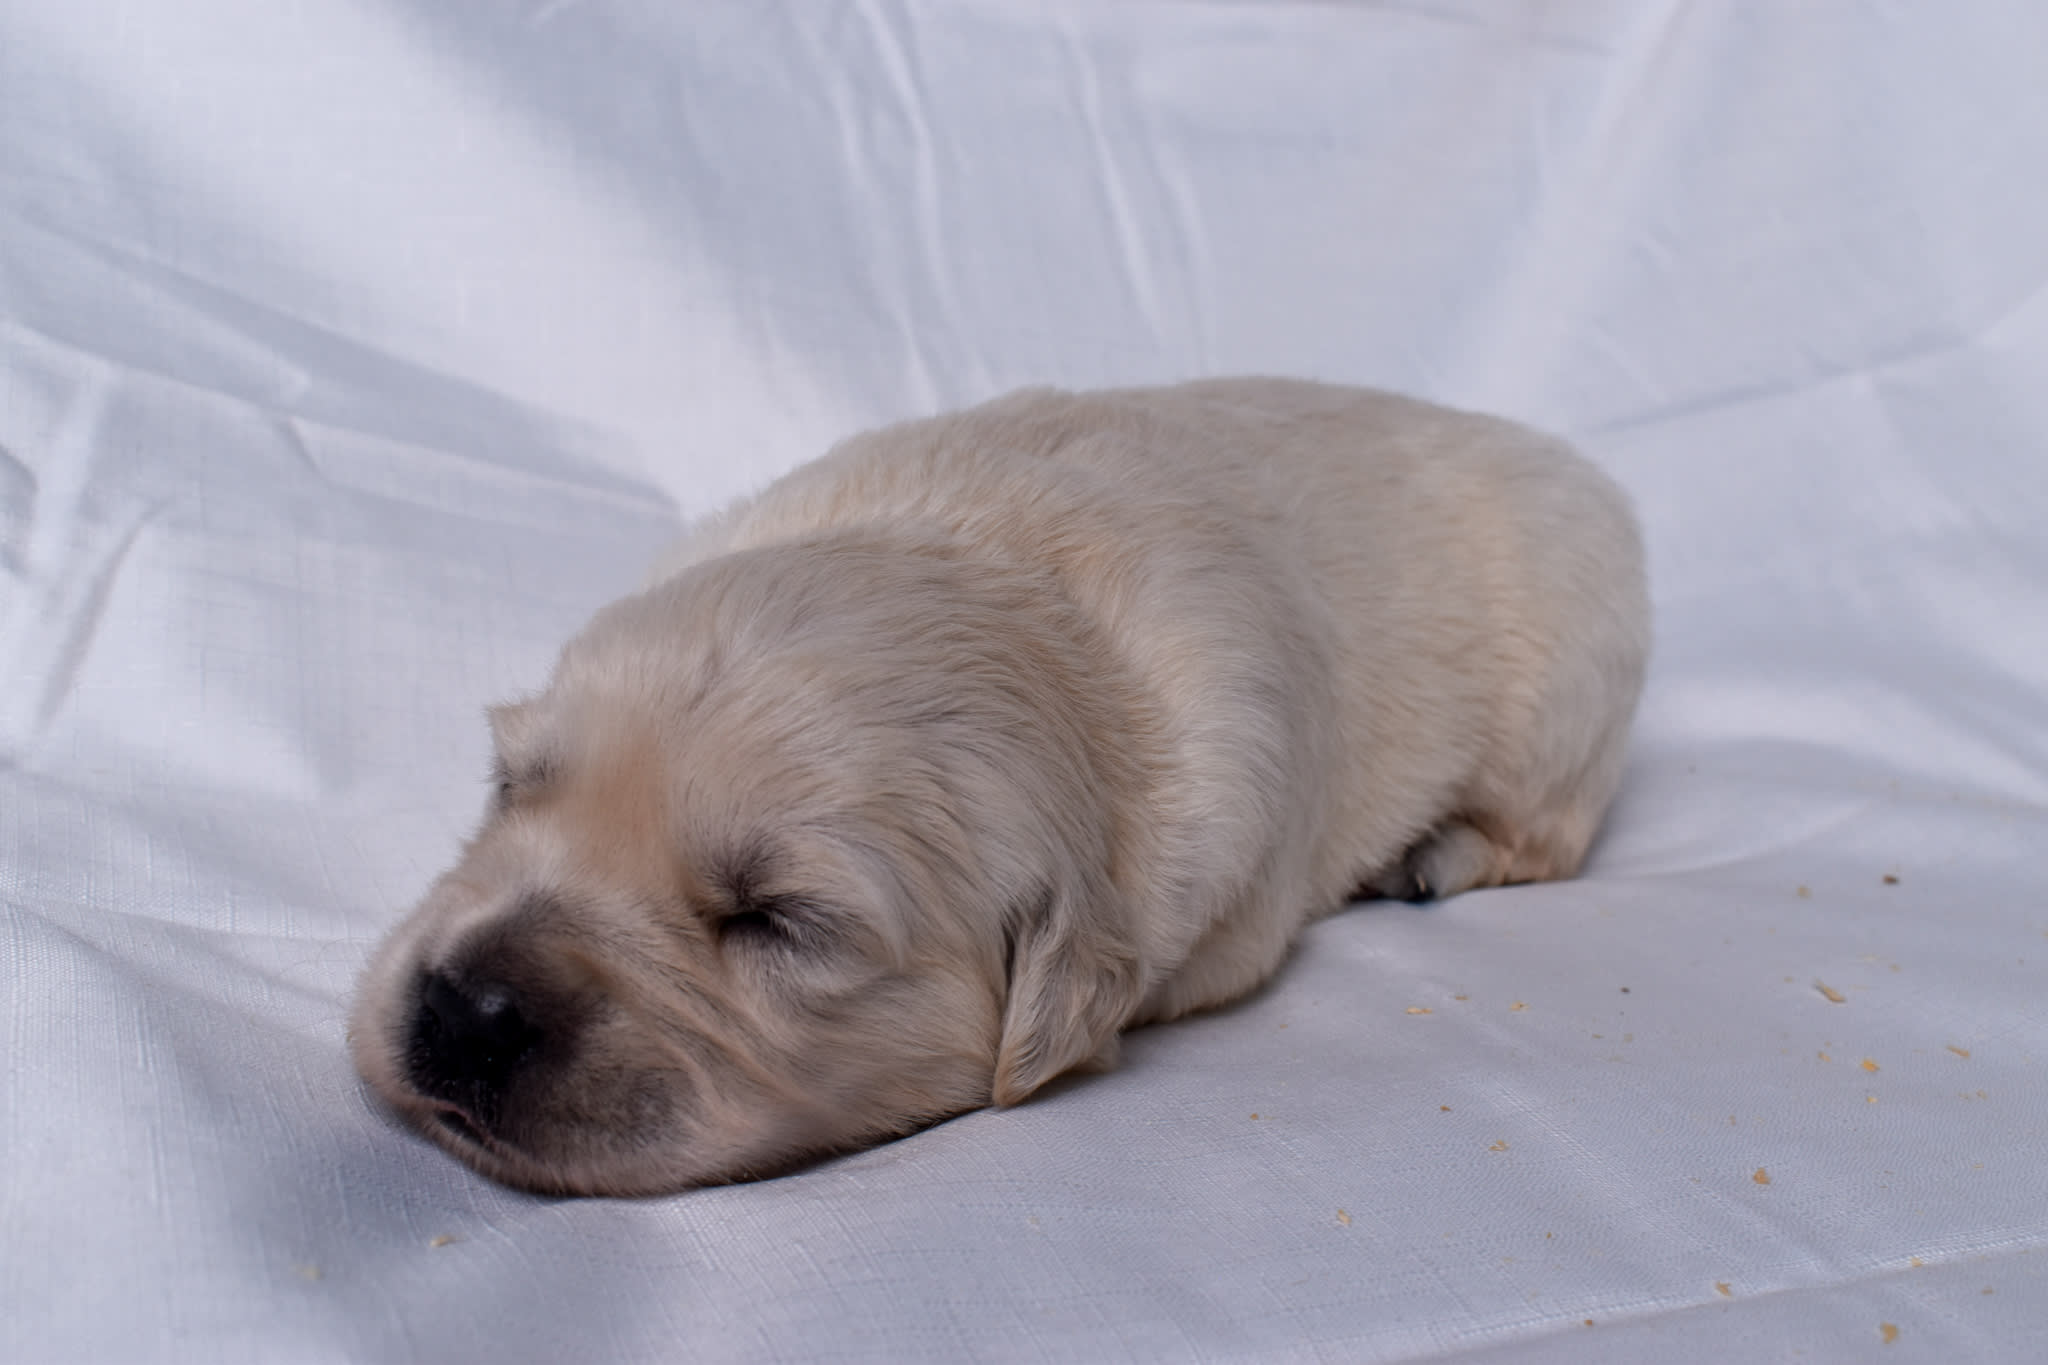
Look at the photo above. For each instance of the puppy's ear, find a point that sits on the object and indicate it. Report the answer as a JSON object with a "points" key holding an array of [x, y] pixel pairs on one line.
{"points": [[514, 727], [1074, 980]]}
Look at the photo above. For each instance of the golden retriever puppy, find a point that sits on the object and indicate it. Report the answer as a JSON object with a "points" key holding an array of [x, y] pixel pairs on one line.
{"points": [[911, 782]]}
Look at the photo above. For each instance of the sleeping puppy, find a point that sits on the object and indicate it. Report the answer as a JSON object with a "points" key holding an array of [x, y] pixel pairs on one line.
{"points": [[910, 783]]}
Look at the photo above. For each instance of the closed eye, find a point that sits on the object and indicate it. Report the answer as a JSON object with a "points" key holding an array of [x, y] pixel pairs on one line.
{"points": [[751, 923], [775, 922]]}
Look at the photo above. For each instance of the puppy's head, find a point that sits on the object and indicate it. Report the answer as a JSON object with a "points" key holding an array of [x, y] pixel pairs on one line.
{"points": [[804, 849]]}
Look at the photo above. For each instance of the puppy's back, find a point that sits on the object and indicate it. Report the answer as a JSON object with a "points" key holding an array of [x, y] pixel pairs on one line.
{"points": [[1477, 587]]}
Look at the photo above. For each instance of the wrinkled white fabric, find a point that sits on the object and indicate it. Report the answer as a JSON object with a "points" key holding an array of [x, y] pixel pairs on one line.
{"points": [[351, 353]]}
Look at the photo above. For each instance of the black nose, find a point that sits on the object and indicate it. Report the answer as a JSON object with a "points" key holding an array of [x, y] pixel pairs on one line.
{"points": [[468, 1038]]}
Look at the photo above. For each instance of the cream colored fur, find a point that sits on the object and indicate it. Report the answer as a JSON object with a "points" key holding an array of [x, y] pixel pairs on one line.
{"points": [[910, 783]]}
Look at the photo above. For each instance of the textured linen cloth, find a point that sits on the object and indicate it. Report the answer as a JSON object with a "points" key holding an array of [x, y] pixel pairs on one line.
{"points": [[353, 351]]}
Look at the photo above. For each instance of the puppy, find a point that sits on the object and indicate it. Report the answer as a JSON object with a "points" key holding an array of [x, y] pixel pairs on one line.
{"points": [[910, 783]]}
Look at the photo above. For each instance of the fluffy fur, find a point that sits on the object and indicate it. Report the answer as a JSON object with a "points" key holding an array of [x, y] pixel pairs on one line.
{"points": [[913, 781]]}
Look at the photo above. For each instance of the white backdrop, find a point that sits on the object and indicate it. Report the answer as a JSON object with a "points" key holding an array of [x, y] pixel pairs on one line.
{"points": [[353, 351]]}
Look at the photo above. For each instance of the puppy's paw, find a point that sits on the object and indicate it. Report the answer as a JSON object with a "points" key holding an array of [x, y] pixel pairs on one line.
{"points": [[1400, 882], [1453, 857]]}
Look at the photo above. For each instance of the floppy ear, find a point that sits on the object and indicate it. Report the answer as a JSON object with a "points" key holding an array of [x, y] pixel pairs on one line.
{"points": [[1074, 982]]}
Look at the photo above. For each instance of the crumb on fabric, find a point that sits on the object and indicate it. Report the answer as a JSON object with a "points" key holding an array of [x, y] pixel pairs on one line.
{"points": [[1891, 879], [442, 1240], [1443, 1109], [1499, 1145], [1518, 1006], [1721, 1288], [1959, 1051], [1344, 1218], [1417, 1009], [1834, 997], [1869, 1065], [1805, 891], [1762, 1176], [1823, 1056], [1889, 1331]]}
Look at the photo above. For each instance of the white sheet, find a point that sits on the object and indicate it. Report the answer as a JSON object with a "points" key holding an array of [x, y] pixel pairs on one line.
{"points": [[352, 352]]}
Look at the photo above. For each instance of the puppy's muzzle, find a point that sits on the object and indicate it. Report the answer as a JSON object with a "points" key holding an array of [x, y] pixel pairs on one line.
{"points": [[469, 1041]]}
